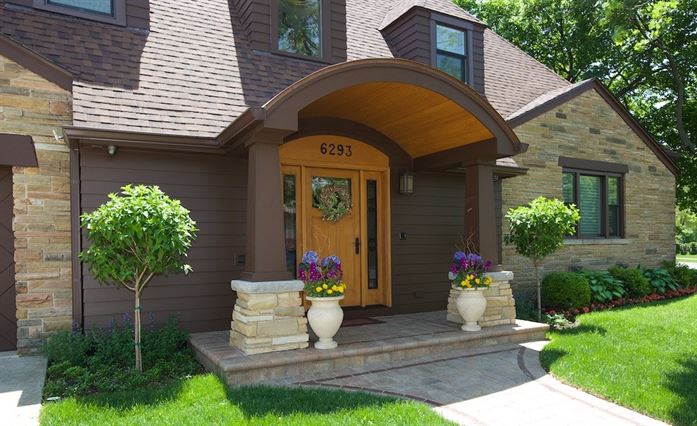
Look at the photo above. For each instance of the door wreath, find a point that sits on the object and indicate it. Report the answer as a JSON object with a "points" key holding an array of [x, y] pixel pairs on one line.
{"points": [[334, 202]]}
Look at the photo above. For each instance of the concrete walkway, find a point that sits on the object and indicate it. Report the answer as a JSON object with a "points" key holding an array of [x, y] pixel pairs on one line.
{"points": [[501, 385], [21, 386]]}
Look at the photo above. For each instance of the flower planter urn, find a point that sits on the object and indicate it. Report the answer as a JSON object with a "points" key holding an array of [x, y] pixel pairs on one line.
{"points": [[325, 317], [471, 305]]}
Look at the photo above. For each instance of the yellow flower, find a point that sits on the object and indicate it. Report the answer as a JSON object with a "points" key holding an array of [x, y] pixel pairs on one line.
{"points": [[329, 292], [341, 289], [318, 289], [477, 281], [335, 288], [487, 280], [324, 286]]}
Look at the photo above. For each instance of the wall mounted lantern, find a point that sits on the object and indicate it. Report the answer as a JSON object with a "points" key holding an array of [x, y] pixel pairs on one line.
{"points": [[406, 183]]}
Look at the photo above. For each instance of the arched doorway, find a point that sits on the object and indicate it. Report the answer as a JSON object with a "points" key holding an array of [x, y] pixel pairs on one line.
{"points": [[361, 238]]}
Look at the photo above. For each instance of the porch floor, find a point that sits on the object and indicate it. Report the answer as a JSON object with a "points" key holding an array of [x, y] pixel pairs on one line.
{"points": [[388, 341]]}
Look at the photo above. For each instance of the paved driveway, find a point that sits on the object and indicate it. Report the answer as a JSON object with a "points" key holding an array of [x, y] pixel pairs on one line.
{"points": [[504, 385], [21, 385]]}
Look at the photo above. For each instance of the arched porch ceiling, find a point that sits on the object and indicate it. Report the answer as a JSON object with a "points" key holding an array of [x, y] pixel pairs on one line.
{"points": [[420, 108], [421, 121]]}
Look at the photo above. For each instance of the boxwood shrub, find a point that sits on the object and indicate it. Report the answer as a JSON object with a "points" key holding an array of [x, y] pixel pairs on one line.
{"points": [[635, 283], [565, 290]]}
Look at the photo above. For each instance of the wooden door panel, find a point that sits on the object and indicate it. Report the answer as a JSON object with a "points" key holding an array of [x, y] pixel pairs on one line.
{"points": [[8, 314], [339, 237]]}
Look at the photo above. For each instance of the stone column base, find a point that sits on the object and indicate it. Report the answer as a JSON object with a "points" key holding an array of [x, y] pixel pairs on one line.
{"points": [[268, 317], [500, 306]]}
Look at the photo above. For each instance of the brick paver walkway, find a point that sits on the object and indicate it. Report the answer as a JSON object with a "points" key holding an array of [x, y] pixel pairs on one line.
{"points": [[503, 385]]}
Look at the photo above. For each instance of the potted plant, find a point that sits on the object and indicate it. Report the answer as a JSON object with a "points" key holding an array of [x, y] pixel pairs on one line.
{"points": [[468, 275], [324, 289]]}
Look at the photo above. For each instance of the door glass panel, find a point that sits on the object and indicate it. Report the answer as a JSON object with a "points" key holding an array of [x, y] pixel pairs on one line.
{"points": [[320, 182], [289, 215], [372, 201], [590, 206]]}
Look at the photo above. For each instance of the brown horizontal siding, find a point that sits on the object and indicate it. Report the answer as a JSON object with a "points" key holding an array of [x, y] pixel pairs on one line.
{"points": [[214, 190], [433, 219], [477, 57], [255, 16], [138, 13], [410, 37], [338, 30]]}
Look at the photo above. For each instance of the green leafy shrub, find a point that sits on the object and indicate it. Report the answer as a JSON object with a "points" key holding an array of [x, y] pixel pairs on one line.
{"points": [[604, 287], [634, 281], [565, 290], [660, 280], [682, 274], [102, 360], [683, 248], [693, 248]]}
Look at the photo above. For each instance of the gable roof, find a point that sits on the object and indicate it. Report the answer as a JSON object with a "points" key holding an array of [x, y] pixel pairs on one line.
{"points": [[194, 71], [446, 7], [554, 98], [35, 63]]}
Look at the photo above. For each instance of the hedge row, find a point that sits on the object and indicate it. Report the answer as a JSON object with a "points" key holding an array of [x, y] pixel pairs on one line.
{"points": [[686, 248]]}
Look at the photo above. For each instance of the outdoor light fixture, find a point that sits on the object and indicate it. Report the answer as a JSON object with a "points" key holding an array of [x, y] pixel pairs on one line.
{"points": [[406, 183], [111, 149]]}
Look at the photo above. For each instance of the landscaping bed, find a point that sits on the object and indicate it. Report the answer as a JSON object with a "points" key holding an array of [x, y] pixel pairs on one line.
{"points": [[92, 380], [643, 357]]}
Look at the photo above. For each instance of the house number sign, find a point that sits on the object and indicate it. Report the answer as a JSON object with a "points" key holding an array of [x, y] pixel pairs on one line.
{"points": [[337, 150]]}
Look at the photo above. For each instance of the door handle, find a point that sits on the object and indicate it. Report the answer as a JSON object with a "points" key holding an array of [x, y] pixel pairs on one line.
{"points": [[357, 245]]}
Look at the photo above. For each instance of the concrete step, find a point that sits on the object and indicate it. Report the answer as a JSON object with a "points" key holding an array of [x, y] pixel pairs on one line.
{"points": [[391, 342]]}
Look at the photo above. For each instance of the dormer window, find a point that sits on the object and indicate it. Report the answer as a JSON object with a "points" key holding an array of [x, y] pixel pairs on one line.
{"points": [[105, 7], [451, 51], [299, 27], [109, 11]]}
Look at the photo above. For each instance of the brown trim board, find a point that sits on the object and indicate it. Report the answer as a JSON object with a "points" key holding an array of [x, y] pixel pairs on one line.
{"points": [[76, 240], [17, 150], [598, 166], [614, 103], [35, 63]]}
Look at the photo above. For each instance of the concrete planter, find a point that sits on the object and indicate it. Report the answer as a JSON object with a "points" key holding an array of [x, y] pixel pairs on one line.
{"points": [[471, 305], [325, 317]]}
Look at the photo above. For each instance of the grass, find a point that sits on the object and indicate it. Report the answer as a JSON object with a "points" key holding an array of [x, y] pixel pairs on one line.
{"points": [[688, 258], [204, 399], [643, 357]]}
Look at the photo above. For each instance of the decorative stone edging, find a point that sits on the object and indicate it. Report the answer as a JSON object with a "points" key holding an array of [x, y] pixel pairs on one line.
{"points": [[500, 305], [268, 317]]}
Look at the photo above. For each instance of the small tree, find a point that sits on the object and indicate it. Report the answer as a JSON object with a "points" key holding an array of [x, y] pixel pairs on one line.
{"points": [[137, 235], [538, 229]]}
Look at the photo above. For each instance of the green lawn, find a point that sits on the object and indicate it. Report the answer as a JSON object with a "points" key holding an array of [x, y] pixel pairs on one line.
{"points": [[688, 258], [643, 357], [204, 400]]}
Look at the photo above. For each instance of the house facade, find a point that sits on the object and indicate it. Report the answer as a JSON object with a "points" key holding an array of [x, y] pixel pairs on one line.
{"points": [[245, 110]]}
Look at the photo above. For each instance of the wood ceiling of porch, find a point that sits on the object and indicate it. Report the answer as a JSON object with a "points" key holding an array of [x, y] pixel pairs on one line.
{"points": [[421, 121]]}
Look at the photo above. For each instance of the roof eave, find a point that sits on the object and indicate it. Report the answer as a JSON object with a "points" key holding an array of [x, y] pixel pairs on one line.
{"points": [[35, 63]]}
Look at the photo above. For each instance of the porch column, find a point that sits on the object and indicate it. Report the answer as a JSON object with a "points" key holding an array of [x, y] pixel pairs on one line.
{"points": [[266, 256], [480, 210]]}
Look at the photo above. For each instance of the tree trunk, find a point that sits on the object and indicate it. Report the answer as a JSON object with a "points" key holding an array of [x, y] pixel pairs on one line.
{"points": [[136, 334], [539, 293]]}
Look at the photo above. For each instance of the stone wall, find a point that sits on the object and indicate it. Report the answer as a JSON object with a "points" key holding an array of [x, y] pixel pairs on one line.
{"points": [[586, 127], [500, 305], [31, 105]]}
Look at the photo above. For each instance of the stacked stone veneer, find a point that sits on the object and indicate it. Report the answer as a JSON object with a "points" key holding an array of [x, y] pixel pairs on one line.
{"points": [[268, 317], [500, 305], [31, 105], [586, 127]]}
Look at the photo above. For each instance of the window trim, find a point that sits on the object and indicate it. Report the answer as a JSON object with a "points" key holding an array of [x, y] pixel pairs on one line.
{"points": [[456, 24], [117, 18], [325, 46], [605, 217]]}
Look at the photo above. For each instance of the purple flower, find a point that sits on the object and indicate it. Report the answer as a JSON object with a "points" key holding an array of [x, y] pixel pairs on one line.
{"points": [[310, 257], [459, 256]]}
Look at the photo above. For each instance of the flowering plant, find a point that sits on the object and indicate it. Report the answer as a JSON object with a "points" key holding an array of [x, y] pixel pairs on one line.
{"points": [[322, 278], [467, 271]]}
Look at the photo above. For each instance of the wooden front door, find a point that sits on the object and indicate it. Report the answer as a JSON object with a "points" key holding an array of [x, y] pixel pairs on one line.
{"points": [[341, 238], [361, 238], [8, 314]]}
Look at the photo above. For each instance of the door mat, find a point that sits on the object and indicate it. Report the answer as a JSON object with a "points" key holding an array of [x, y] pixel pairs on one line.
{"points": [[360, 321]]}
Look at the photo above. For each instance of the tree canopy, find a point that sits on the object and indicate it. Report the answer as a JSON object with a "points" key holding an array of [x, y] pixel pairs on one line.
{"points": [[645, 51]]}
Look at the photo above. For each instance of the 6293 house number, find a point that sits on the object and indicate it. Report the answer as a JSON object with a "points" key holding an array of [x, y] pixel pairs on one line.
{"points": [[338, 149]]}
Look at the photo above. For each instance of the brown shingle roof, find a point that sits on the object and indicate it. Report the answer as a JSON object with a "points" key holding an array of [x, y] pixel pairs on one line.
{"points": [[446, 7], [194, 72]]}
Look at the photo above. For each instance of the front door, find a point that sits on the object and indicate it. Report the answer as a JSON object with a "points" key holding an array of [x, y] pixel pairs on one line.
{"points": [[8, 314], [360, 237], [342, 237]]}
